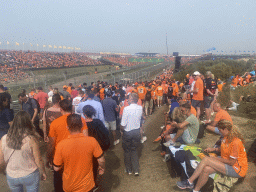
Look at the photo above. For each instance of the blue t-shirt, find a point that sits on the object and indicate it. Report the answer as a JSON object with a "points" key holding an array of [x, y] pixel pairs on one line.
{"points": [[109, 109], [6, 116], [253, 73], [173, 106]]}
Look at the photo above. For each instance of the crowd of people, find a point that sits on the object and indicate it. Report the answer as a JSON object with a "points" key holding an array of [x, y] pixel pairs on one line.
{"points": [[65, 118], [13, 63]]}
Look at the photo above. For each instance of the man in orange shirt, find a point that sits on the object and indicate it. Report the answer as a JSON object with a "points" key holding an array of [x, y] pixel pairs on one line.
{"points": [[75, 156], [198, 93], [141, 92], [220, 115], [234, 82], [159, 95], [102, 92], [165, 88], [58, 132], [69, 88], [175, 89]]}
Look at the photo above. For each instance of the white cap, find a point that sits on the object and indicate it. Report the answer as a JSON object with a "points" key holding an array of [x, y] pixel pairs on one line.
{"points": [[196, 73]]}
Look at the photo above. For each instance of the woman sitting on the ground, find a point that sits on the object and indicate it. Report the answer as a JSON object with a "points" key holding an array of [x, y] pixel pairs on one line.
{"points": [[233, 160]]}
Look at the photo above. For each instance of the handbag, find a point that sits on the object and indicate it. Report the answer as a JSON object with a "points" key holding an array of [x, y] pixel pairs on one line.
{"points": [[6, 163]]}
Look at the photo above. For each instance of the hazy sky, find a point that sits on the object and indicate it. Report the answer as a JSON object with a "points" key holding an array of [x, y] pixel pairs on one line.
{"points": [[130, 26]]}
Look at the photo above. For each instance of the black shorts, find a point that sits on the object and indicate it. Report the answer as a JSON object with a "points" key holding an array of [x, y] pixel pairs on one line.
{"points": [[196, 103], [207, 101]]}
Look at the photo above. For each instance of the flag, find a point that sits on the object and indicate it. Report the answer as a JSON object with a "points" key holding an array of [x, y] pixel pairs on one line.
{"points": [[64, 47], [71, 48], [44, 45], [17, 44], [0, 43], [37, 45], [8, 43], [31, 44], [55, 47], [50, 46], [68, 47]]}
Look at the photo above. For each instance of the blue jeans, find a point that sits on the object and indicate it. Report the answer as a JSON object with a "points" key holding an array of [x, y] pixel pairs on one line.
{"points": [[31, 182]]}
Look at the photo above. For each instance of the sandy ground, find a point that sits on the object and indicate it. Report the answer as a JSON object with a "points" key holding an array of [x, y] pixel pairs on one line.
{"points": [[154, 174]]}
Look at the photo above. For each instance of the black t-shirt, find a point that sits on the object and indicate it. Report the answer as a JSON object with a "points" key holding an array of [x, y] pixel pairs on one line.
{"points": [[211, 85], [29, 107], [116, 98], [9, 97], [98, 130]]}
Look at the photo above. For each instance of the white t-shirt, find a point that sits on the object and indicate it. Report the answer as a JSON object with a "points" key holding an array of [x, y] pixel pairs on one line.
{"points": [[76, 101], [50, 94]]}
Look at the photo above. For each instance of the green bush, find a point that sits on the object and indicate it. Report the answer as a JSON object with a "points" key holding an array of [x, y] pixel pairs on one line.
{"points": [[222, 69]]}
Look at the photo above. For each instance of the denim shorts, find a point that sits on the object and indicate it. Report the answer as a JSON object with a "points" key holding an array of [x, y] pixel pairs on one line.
{"points": [[217, 131], [31, 182], [207, 101], [196, 104], [231, 172], [110, 125]]}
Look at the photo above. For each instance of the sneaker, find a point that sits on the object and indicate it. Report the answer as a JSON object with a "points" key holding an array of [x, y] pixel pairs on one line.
{"points": [[116, 142], [168, 143], [167, 157], [185, 184], [157, 139], [128, 172], [162, 127], [163, 153], [136, 173], [144, 138]]}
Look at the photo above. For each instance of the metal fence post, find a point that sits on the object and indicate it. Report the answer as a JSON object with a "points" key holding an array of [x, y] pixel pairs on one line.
{"points": [[65, 78]]}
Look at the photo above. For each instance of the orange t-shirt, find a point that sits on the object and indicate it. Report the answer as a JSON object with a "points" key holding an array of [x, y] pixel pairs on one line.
{"points": [[234, 82], [153, 94], [102, 94], [248, 78], [222, 115], [69, 90], [122, 110], [165, 87], [141, 92], [220, 87], [76, 155], [241, 81], [59, 130], [235, 150], [32, 94], [159, 91], [175, 89], [199, 96], [193, 110]]}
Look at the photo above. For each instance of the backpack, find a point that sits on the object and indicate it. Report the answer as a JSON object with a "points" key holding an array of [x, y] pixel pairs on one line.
{"points": [[148, 96], [38, 105]]}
